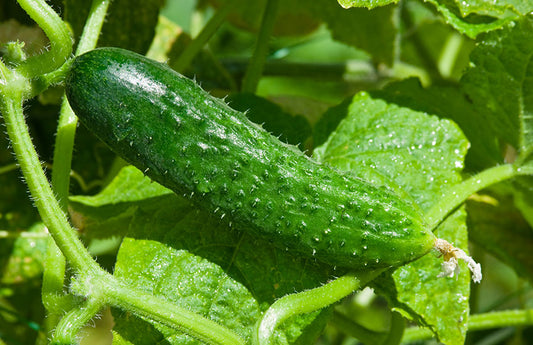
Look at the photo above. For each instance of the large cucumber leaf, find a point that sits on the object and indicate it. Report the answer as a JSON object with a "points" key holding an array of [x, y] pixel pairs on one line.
{"points": [[500, 84], [492, 220], [161, 225], [419, 156]]}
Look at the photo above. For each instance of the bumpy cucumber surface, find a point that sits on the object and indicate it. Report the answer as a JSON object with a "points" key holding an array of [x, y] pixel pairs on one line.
{"points": [[194, 144]]}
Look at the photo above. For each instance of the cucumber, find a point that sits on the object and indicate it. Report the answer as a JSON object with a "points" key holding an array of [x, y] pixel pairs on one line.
{"points": [[197, 146]]}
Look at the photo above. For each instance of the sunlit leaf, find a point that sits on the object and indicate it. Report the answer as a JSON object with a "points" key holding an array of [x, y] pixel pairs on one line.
{"points": [[419, 156], [147, 212]]}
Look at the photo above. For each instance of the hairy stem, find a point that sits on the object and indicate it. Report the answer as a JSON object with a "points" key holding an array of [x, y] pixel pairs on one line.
{"points": [[53, 282], [56, 31], [309, 301], [457, 194], [51, 212], [155, 308], [54, 272], [67, 329], [255, 68], [68, 121]]}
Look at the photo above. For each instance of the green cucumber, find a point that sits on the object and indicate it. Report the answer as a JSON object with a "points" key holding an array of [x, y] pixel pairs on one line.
{"points": [[197, 146]]}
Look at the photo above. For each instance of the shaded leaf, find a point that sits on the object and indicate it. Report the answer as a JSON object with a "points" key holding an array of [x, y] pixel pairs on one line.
{"points": [[292, 18], [166, 33], [492, 221], [418, 156], [433, 45], [500, 83], [373, 31], [124, 17], [107, 213], [164, 218], [292, 129], [523, 196], [204, 66], [33, 37], [370, 30]]}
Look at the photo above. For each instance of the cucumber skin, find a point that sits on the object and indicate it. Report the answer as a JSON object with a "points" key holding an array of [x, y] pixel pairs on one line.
{"points": [[197, 146]]}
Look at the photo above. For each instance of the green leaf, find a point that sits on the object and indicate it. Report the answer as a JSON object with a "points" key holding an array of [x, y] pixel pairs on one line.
{"points": [[151, 213], [500, 83], [187, 280], [523, 196], [431, 297], [492, 221], [470, 22], [104, 215], [382, 141], [365, 3], [493, 8], [290, 129], [419, 156], [450, 102], [373, 31]]}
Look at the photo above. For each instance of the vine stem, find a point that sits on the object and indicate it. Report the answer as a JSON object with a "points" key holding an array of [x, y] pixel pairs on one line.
{"points": [[456, 195], [477, 322], [255, 68], [54, 272], [349, 327], [67, 329], [92, 281], [45, 201], [449, 54], [309, 301], [203, 37], [155, 308], [68, 121], [397, 329], [57, 32], [98, 287]]}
